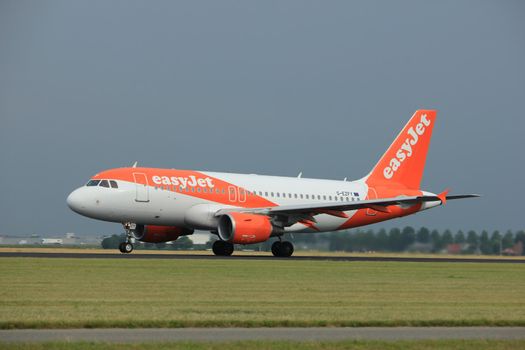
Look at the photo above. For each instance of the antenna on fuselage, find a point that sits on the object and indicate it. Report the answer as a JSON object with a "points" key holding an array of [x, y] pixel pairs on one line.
{"points": [[134, 164], [344, 179], [300, 175]]}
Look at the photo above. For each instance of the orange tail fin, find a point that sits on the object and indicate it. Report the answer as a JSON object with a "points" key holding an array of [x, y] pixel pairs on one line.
{"points": [[404, 162]]}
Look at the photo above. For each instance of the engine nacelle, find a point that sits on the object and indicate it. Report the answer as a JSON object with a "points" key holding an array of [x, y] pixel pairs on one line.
{"points": [[244, 228], [158, 234]]}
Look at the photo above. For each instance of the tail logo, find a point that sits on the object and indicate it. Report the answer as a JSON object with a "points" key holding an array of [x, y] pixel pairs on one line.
{"points": [[406, 150]]}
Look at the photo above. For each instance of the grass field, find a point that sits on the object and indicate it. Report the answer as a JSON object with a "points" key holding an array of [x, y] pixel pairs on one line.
{"points": [[282, 345], [51, 293]]}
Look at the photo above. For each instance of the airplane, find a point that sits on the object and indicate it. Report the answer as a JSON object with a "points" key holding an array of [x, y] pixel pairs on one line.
{"points": [[159, 205]]}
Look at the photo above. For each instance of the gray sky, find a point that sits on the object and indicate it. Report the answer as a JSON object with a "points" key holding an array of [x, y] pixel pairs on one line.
{"points": [[269, 87]]}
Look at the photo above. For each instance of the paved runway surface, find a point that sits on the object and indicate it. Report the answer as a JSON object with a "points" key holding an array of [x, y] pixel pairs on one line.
{"points": [[229, 334], [251, 257]]}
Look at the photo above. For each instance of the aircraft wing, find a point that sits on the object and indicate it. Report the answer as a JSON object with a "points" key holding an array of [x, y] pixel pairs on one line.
{"points": [[338, 208]]}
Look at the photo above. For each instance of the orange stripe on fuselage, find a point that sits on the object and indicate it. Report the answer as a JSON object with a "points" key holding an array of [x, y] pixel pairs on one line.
{"points": [[191, 181], [363, 217]]}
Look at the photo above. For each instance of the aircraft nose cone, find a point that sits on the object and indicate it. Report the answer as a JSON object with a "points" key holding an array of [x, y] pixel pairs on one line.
{"points": [[74, 201]]}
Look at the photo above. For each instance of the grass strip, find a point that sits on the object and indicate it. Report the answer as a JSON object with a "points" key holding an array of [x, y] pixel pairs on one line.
{"points": [[281, 345], [254, 324], [94, 293]]}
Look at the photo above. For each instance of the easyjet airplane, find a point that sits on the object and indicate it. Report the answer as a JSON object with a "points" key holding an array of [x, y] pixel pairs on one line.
{"points": [[160, 205]]}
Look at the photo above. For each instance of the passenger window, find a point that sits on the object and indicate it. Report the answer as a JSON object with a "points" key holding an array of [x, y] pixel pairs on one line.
{"points": [[324, 197], [307, 197], [319, 196], [278, 195], [113, 183], [93, 183], [289, 195], [330, 198], [295, 195], [104, 183], [301, 196]]}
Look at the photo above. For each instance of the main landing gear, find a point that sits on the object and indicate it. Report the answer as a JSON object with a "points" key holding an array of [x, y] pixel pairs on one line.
{"points": [[127, 246], [222, 248], [282, 249]]}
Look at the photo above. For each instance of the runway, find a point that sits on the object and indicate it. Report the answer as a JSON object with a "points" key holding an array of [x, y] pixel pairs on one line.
{"points": [[120, 335], [236, 256]]}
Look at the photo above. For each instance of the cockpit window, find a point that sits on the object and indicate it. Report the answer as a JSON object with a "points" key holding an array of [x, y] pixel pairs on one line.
{"points": [[113, 183], [93, 183], [104, 183]]}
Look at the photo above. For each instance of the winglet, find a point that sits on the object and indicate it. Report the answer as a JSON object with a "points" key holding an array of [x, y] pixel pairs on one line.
{"points": [[443, 196]]}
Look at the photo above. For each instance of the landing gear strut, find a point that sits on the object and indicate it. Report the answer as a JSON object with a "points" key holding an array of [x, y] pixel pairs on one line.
{"points": [[282, 249], [127, 246], [222, 248]]}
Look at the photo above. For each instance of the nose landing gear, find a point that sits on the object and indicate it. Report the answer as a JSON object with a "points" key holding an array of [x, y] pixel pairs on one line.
{"points": [[127, 246]]}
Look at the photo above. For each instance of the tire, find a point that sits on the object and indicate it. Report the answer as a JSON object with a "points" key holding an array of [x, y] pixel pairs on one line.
{"points": [[228, 249], [222, 248], [128, 247], [121, 247], [218, 247], [276, 248], [286, 249]]}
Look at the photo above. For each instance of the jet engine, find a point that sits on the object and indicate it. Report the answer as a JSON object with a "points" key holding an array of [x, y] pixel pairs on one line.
{"points": [[243, 228], [158, 234]]}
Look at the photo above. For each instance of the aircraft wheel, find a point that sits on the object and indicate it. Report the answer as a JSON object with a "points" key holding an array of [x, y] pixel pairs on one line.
{"points": [[222, 248], [218, 247], [121, 247], [286, 249], [276, 248], [128, 247], [228, 249]]}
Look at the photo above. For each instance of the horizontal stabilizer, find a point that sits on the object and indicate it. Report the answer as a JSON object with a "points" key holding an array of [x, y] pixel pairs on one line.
{"points": [[461, 196]]}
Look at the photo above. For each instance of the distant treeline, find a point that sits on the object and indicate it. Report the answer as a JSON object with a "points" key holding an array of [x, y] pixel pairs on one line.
{"points": [[393, 240], [422, 240]]}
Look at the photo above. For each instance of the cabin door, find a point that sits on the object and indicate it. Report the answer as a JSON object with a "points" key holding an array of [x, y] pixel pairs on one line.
{"points": [[141, 187]]}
